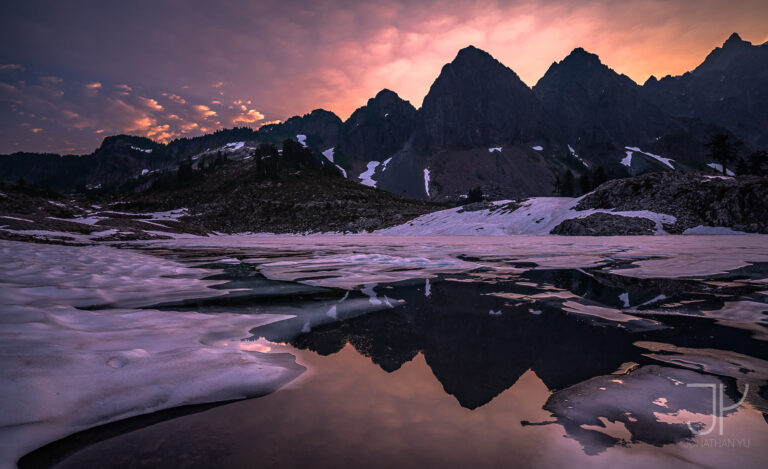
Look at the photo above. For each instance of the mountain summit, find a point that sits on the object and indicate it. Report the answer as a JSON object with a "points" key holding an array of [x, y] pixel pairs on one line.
{"points": [[476, 100], [598, 110], [378, 129]]}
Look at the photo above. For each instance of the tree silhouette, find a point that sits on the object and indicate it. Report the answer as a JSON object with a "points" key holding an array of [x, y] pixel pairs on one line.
{"points": [[599, 177], [757, 162], [722, 150], [566, 184], [474, 195], [585, 184]]}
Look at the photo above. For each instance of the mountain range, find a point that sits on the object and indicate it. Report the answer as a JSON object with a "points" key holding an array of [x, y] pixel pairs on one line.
{"points": [[479, 126]]}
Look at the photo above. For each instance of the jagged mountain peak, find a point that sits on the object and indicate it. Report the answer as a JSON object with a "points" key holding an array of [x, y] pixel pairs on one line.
{"points": [[477, 100], [580, 55], [584, 67], [721, 58], [735, 40], [652, 80], [387, 98], [472, 57], [377, 130], [386, 93], [472, 51]]}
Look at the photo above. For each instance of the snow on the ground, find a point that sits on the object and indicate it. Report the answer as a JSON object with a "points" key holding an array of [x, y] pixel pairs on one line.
{"points": [[76, 351], [169, 215], [719, 168], [661, 159], [426, 181], [144, 171], [576, 155], [302, 139], [385, 163], [493, 149], [145, 150], [234, 146], [535, 216], [16, 218], [366, 177], [329, 154], [538, 148]]}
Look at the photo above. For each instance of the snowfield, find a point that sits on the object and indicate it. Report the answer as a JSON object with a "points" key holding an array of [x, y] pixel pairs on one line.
{"points": [[535, 216]]}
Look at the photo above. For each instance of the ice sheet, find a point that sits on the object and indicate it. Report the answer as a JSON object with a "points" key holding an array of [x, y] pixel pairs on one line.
{"points": [[69, 317]]}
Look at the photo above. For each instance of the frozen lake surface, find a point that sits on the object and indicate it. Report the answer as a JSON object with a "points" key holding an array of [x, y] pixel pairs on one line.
{"points": [[384, 351]]}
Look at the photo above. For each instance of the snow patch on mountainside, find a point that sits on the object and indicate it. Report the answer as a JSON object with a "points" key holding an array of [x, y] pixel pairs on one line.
{"points": [[233, 146], [576, 155], [426, 181], [718, 167], [366, 177], [627, 160], [302, 139], [343, 171], [493, 149], [329, 154], [535, 216], [145, 150], [661, 159], [538, 148]]}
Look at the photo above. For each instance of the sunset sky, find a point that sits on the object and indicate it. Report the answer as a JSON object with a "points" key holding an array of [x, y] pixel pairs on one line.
{"points": [[72, 72]]}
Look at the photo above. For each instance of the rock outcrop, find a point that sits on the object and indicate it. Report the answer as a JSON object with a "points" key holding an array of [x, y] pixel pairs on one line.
{"points": [[605, 224], [694, 199]]}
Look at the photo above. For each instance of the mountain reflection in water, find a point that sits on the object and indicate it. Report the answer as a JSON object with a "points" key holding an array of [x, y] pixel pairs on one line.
{"points": [[478, 342]]}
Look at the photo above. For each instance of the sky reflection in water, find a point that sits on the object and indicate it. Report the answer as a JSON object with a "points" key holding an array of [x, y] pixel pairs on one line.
{"points": [[482, 367]]}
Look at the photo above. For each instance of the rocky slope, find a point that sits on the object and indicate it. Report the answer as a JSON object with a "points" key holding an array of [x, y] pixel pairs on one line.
{"points": [[232, 197], [694, 199], [602, 114]]}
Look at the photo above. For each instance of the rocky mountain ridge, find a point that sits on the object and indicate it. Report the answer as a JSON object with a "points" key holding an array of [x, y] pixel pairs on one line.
{"points": [[479, 127]]}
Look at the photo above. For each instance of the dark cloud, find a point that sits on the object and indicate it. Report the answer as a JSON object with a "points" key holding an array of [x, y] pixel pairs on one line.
{"points": [[165, 68]]}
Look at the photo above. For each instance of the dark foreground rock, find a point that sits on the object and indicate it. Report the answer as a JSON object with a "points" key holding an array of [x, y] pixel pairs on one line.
{"points": [[605, 224], [740, 203]]}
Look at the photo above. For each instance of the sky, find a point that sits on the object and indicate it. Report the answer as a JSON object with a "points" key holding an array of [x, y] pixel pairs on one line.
{"points": [[73, 72]]}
